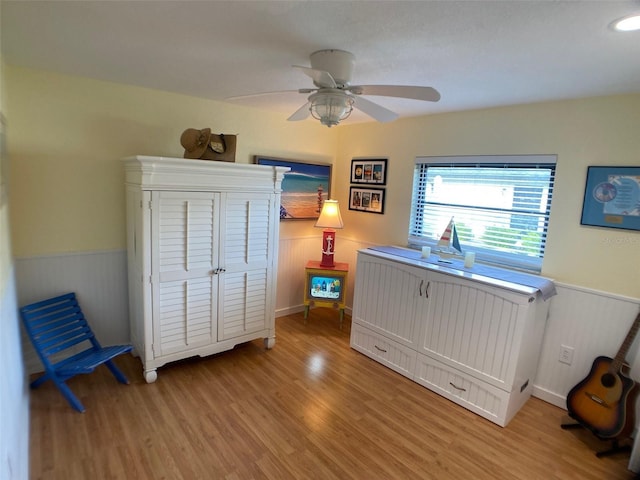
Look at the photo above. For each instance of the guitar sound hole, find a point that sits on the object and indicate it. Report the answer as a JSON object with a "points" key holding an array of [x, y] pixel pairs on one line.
{"points": [[608, 380]]}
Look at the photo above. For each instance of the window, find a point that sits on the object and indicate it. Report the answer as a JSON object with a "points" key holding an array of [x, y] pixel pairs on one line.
{"points": [[500, 205]]}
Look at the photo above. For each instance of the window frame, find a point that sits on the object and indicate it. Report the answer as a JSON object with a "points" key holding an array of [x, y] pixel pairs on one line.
{"points": [[518, 261]]}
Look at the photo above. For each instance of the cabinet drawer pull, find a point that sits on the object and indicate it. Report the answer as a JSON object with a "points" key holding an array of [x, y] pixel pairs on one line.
{"points": [[457, 387], [380, 349]]}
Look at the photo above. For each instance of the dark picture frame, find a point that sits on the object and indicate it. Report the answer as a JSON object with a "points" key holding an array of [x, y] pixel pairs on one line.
{"points": [[612, 197], [369, 170], [304, 187], [365, 199]]}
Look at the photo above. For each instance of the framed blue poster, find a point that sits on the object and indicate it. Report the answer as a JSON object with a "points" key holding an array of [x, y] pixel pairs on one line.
{"points": [[612, 198]]}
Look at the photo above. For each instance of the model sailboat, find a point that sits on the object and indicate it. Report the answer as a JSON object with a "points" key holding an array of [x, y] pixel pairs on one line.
{"points": [[449, 243]]}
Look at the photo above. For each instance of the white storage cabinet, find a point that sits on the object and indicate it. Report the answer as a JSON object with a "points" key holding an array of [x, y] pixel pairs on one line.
{"points": [[202, 241], [467, 339]]}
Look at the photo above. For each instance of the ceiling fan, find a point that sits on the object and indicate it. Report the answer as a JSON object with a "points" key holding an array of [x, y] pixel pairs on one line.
{"points": [[334, 97]]}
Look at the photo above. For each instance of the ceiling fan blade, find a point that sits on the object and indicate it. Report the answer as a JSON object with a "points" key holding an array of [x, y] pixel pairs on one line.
{"points": [[401, 91], [300, 114], [320, 78], [262, 94], [374, 110]]}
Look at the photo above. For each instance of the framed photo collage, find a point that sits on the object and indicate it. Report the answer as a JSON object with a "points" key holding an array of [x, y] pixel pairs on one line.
{"points": [[368, 175]]}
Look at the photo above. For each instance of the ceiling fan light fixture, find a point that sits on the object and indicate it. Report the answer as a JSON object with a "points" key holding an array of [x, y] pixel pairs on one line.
{"points": [[627, 24], [330, 107]]}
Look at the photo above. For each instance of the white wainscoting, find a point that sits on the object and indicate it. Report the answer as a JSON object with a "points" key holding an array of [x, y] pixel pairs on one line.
{"points": [[99, 280], [294, 253], [593, 323]]}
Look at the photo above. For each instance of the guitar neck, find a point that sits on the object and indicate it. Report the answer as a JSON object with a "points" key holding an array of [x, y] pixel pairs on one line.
{"points": [[619, 359]]}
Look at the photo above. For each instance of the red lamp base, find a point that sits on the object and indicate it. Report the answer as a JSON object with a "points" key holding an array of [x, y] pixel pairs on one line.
{"points": [[328, 247]]}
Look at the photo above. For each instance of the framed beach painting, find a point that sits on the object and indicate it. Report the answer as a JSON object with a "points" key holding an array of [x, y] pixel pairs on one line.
{"points": [[304, 187]]}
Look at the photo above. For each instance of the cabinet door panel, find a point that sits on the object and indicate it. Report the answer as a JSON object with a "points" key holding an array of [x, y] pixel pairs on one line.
{"points": [[246, 220], [243, 308], [185, 229], [472, 328], [184, 316], [387, 297], [184, 255], [244, 293]]}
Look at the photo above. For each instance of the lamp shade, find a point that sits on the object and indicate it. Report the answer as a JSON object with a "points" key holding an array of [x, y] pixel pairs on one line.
{"points": [[330, 215]]}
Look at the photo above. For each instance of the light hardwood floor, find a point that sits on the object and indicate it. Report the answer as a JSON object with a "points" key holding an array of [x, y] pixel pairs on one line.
{"points": [[311, 408]]}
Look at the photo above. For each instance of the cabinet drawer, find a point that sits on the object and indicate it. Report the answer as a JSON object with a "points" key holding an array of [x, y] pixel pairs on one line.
{"points": [[389, 353], [479, 397]]}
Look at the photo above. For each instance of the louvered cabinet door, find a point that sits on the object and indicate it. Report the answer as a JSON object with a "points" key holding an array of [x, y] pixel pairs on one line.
{"points": [[185, 232], [245, 298]]}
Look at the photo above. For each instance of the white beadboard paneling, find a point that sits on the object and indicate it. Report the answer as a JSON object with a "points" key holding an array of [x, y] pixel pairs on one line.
{"points": [[294, 253], [292, 258], [99, 280], [593, 323]]}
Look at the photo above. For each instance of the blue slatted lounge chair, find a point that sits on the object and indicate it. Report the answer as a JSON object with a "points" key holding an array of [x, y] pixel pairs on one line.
{"points": [[58, 329]]}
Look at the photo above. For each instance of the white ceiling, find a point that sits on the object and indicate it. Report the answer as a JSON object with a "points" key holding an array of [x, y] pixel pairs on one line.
{"points": [[475, 53]]}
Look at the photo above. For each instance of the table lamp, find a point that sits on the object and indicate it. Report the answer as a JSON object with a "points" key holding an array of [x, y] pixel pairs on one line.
{"points": [[329, 219]]}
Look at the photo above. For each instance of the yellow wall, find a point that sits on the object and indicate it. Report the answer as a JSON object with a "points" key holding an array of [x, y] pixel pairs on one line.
{"points": [[68, 135], [5, 240], [594, 131]]}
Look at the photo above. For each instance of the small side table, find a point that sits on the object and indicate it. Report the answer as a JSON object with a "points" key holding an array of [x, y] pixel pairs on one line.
{"points": [[325, 286]]}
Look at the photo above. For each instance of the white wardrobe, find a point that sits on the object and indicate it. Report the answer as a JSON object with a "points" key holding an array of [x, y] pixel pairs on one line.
{"points": [[202, 242]]}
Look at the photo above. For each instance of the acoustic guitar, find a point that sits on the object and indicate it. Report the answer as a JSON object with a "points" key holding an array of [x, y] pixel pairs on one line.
{"points": [[604, 402]]}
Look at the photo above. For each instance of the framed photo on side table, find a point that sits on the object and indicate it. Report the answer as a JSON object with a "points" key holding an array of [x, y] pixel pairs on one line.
{"points": [[612, 198], [366, 199], [369, 170]]}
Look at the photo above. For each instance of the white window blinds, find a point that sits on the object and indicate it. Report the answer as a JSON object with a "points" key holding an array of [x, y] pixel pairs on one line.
{"points": [[500, 204]]}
